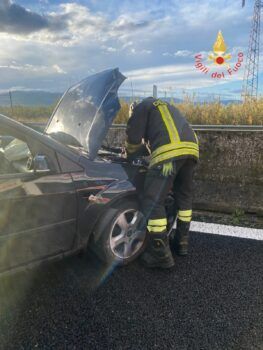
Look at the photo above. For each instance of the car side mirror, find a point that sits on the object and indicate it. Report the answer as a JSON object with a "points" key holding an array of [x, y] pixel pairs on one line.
{"points": [[40, 164]]}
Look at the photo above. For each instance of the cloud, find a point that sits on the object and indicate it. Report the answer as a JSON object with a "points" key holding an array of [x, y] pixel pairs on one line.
{"points": [[183, 53], [124, 24], [17, 19], [29, 68], [196, 13], [146, 39], [177, 76], [68, 25], [167, 54], [111, 49], [58, 69], [160, 72], [134, 51], [179, 53]]}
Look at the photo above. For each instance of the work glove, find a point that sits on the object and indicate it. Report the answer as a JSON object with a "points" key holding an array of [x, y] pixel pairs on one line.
{"points": [[167, 169]]}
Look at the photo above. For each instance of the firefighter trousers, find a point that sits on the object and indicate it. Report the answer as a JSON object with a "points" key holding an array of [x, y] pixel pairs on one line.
{"points": [[156, 188]]}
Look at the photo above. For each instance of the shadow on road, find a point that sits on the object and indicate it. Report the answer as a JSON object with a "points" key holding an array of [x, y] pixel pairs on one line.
{"points": [[211, 300]]}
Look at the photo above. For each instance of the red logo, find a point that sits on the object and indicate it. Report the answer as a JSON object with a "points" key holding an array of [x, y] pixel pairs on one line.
{"points": [[220, 58]]}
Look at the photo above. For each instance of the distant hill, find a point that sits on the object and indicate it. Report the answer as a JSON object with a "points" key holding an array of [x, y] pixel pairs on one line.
{"points": [[45, 98], [228, 102], [30, 98], [128, 99]]}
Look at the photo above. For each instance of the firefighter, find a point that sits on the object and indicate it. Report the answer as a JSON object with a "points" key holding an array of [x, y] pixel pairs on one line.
{"points": [[174, 153]]}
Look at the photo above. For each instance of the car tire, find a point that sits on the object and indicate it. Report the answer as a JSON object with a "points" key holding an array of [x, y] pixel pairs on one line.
{"points": [[121, 235]]}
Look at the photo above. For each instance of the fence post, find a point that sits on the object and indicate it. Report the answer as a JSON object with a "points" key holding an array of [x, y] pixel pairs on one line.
{"points": [[11, 102], [155, 93]]}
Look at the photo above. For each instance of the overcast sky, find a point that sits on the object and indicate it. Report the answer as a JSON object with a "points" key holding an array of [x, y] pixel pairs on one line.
{"points": [[49, 45]]}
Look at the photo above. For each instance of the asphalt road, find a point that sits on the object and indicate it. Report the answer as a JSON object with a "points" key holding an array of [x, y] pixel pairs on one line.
{"points": [[212, 299]]}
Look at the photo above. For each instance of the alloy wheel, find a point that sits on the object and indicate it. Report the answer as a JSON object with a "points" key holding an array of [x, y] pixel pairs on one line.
{"points": [[127, 234]]}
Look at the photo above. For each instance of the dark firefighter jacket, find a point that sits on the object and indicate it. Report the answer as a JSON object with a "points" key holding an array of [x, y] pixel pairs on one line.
{"points": [[165, 130]]}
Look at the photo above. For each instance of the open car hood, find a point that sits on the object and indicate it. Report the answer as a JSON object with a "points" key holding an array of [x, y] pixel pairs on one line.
{"points": [[86, 111]]}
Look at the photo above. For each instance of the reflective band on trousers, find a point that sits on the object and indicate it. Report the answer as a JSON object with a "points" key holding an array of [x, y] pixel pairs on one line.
{"points": [[185, 215], [156, 228], [157, 222], [157, 225]]}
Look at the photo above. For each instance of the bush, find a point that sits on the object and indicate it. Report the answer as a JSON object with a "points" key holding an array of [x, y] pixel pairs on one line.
{"points": [[249, 113], [39, 114]]}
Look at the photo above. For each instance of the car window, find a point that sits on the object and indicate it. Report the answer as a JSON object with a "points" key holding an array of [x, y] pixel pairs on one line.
{"points": [[15, 156]]}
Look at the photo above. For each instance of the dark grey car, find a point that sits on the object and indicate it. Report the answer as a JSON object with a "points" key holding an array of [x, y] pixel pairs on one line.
{"points": [[59, 192]]}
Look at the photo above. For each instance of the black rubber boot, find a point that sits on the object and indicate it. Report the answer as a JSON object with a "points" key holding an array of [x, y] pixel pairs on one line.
{"points": [[157, 252], [180, 238]]}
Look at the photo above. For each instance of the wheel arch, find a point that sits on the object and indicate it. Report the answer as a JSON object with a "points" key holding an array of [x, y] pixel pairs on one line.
{"points": [[87, 228], [112, 206]]}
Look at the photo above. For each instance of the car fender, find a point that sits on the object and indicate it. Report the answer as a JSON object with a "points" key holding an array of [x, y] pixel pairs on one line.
{"points": [[104, 202]]}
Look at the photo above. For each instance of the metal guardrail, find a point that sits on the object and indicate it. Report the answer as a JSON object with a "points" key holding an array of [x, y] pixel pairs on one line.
{"points": [[212, 127], [41, 126], [228, 127]]}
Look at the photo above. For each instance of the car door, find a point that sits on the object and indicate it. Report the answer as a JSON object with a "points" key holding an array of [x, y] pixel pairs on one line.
{"points": [[37, 207]]}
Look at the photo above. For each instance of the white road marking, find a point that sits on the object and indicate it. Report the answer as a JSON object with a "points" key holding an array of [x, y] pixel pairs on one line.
{"points": [[226, 230]]}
